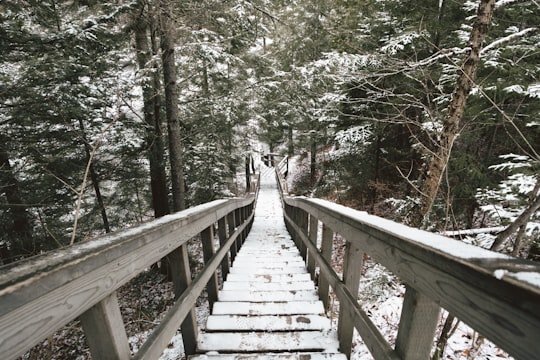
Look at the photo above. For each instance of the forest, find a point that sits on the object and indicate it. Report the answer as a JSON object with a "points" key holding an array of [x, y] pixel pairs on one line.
{"points": [[116, 112]]}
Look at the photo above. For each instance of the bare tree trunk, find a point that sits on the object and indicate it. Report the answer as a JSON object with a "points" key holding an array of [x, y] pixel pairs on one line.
{"points": [[171, 106], [451, 124], [95, 179], [521, 220], [151, 109]]}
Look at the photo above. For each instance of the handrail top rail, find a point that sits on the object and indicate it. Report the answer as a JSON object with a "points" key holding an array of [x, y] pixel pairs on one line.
{"points": [[521, 275], [26, 271]]}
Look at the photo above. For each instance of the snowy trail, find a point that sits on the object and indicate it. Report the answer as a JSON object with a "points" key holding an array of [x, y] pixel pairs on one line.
{"points": [[268, 308]]}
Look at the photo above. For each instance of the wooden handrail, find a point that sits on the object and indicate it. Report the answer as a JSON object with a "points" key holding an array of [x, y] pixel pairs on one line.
{"points": [[495, 294], [42, 294]]}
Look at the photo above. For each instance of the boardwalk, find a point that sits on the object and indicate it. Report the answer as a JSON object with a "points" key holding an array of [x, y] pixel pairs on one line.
{"points": [[268, 306]]}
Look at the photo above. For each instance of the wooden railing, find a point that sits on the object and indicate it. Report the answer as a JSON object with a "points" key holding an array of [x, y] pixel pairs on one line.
{"points": [[40, 295], [495, 294]]}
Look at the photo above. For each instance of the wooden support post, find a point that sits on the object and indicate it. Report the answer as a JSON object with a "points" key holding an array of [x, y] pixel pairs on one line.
{"points": [[238, 221], [417, 325], [222, 234], [327, 244], [105, 331], [207, 239], [181, 275], [352, 269], [303, 223], [231, 221], [313, 230]]}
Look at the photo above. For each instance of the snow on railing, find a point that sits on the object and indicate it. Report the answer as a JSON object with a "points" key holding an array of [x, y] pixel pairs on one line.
{"points": [[495, 294], [40, 295]]}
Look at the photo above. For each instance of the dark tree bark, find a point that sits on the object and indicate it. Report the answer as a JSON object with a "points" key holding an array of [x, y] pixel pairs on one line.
{"points": [[171, 106], [151, 109], [20, 229], [452, 121]]}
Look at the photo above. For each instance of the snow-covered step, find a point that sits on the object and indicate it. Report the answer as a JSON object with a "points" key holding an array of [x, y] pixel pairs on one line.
{"points": [[267, 323], [268, 278], [268, 265], [276, 341], [268, 286], [272, 271], [268, 308], [267, 296], [271, 356]]}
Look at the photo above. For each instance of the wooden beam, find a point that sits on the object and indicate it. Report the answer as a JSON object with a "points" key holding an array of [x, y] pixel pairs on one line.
{"points": [[352, 270], [105, 331], [207, 240], [313, 230], [222, 234], [327, 244], [417, 325], [181, 274]]}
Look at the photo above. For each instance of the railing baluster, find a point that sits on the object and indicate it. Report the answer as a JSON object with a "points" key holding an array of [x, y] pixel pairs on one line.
{"points": [[352, 269], [327, 244], [313, 230], [303, 224], [222, 234], [207, 240], [105, 331], [231, 224], [417, 326], [181, 275]]}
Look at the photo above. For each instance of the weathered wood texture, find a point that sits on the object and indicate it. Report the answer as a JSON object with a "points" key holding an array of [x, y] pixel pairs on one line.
{"points": [[40, 295], [482, 288]]}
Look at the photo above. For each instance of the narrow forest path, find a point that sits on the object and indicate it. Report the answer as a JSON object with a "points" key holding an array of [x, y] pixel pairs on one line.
{"points": [[268, 307]]}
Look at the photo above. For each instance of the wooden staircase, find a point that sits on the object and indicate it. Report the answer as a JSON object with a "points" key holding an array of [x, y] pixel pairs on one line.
{"points": [[268, 307]]}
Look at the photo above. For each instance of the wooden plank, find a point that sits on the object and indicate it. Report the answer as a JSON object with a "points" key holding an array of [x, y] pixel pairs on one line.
{"points": [[287, 341], [327, 244], [271, 356], [352, 269], [222, 234], [207, 241], [249, 308], [105, 331], [267, 323], [417, 325], [231, 223], [313, 230], [268, 263], [267, 296], [181, 275], [269, 278], [259, 271], [273, 286]]}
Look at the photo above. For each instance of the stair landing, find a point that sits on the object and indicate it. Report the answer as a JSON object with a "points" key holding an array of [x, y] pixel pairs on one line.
{"points": [[268, 307]]}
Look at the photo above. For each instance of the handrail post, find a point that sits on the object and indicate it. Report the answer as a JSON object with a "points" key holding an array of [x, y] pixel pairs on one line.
{"points": [[222, 234], [304, 225], [313, 230], [181, 275], [417, 325], [231, 224], [327, 244], [207, 241], [352, 269], [105, 331]]}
